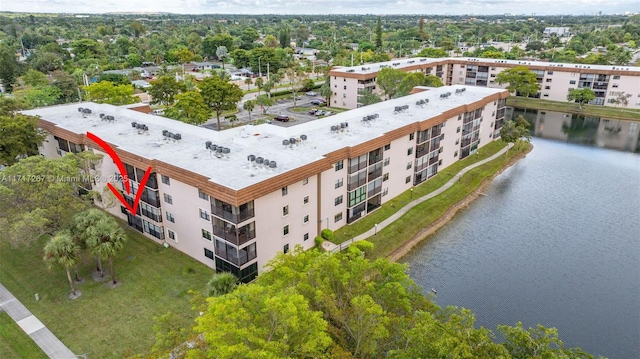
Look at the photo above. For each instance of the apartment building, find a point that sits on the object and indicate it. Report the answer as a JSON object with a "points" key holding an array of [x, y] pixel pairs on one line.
{"points": [[555, 79], [234, 199]]}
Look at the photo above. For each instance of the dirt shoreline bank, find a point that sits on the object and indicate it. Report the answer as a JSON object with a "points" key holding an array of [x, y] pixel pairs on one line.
{"points": [[432, 228]]}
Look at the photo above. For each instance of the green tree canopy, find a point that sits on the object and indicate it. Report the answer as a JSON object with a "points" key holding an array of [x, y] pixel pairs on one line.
{"points": [[189, 108], [369, 98], [389, 81], [20, 135], [581, 96], [108, 92], [521, 80], [433, 52], [35, 78], [164, 89], [60, 250], [219, 95]]}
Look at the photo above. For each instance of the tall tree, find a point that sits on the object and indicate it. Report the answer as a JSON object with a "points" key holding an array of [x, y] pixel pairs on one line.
{"points": [[261, 323], [379, 34], [520, 80], [389, 81], [284, 37], [60, 250], [108, 92], [264, 102], [369, 98], [581, 96], [249, 105], [81, 230], [219, 95], [189, 108], [259, 83], [9, 68], [105, 239], [221, 284], [164, 89], [39, 96], [248, 82], [222, 53], [35, 78], [20, 137]]}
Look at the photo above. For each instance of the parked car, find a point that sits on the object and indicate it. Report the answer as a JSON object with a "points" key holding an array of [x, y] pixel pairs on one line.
{"points": [[318, 102], [311, 93], [319, 113], [328, 113], [282, 118], [312, 111]]}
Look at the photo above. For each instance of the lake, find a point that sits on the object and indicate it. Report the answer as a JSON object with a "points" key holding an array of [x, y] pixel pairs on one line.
{"points": [[555, 240]]}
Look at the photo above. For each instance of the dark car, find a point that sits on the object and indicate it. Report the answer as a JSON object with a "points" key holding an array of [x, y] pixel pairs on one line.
{"points": [[318, 102], [312, 111], [282, 118]]}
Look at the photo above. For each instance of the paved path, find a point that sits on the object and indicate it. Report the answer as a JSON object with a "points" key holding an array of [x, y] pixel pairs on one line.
{"points": [[410, 205], [49, 343]]}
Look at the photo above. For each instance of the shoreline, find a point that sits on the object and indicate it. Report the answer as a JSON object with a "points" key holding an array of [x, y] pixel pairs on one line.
{"points": [[451, 212]]}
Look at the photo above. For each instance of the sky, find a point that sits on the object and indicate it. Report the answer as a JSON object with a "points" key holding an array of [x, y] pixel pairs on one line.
{"points": [[378, 7]]}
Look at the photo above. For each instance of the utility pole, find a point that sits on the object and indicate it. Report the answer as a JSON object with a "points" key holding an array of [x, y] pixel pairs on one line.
{"points": [[268, 79], [352, 59], [259, 67]]}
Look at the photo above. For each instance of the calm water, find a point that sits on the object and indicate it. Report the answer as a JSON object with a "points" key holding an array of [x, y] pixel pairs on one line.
{"points": [[555, 241]]}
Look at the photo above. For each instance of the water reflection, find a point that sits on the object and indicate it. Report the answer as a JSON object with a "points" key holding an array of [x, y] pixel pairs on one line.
{"points": [[581, 129]]}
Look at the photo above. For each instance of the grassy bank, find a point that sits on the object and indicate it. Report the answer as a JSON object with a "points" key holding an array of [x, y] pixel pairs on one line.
{"points": [[15, 343], [103, 322], [616, 113], [391, 207], [426, 213]]}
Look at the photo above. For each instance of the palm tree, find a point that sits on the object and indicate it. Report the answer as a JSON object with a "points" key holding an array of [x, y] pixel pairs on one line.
{"points": [[259, 84], [248, 81], [61, 250], [221, 284], [106, 239], [80, 226]]}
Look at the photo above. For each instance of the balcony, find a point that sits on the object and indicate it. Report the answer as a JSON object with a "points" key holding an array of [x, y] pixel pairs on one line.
{"points": [[233, 235], [235, 256], [422, 150], [232, 217], [436, 131], [358, 183], [465, 143], [433, 160]]}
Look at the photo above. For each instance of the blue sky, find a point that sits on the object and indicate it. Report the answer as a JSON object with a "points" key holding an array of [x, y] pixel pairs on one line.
{"points": [[540, 7]]}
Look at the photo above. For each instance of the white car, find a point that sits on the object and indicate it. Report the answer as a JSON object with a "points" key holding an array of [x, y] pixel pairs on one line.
{"points": [[311, 93]]}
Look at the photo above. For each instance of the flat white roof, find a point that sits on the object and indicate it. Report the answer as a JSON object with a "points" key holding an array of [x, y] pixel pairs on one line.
{"points": [[402, 63], [262, 140]]}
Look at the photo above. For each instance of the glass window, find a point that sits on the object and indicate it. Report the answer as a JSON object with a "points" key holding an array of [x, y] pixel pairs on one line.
{"points": [[208, 253], [171, 235], [409, 165], [339, 183], [204, 214], [305, 219], [387, 147], [338, 200], [305, 181], [339, 165], [357, 196], [411, 136], [170, 217], [305, 237], [387, 161], [165, 180], [337, 217], [285, 230], [203, 195], [206, 234], [409, 151], [285, 211], [305, 200], [168, 199], [408, 179], [285, 190], [285, 249]]}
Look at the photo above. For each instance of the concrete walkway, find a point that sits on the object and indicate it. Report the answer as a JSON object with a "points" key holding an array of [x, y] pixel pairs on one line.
{"points": [[48, 342], [410, 205]]}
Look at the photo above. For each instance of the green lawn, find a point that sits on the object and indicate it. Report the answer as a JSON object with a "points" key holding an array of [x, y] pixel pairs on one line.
{"points": [[103, 322], [424, 214], [617, 113], [391, 207], [14, 343]]}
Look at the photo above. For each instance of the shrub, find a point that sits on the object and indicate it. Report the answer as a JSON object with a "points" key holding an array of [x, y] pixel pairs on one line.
{"points": [[318, 240], [327, 234]]}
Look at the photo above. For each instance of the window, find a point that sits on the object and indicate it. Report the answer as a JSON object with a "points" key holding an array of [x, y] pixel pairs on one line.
{"points": [[339, 183], [168, 199], [208, 253], [203, 195], [172, 235], [572, 82], [345, 87], [457, 141], [285, 230], [458, 129], [408, 179], [305, 200], [616, 77], [455, 154], [615, 86], [385, 192], [357, 196], [339, 165], [385, 177], [305, 219], [165, 180], [387, 147], [285, 249], [338, 200], [387, 161], [547, 80], [305, 237], [170, 217], [337, 217], [285, 190], [206, 234], [285, 211], [204, 214], [547, 87], [411, 136], [409, 165], [305, 181], [549, 72], [410, 151]]}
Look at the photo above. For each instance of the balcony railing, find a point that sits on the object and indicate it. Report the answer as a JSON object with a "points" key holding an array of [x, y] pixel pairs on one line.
{"points": [[237, 257], [433, 160], [374, 191], [235, 236], [232, 217], [374, 174], [356, 184]]}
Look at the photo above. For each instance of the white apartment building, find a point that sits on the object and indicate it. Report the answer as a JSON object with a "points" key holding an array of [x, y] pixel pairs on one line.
{"points": [[234, 199], [555, 79]]}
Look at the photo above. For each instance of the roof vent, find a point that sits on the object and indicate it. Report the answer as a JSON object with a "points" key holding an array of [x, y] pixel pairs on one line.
{"points": [[251, 158], [80, 109], [108, 118], [303, 137], [133, 124], [259, 160], [285, 142], [177, 136], [206, 144], [272, 164], [102, 115]]}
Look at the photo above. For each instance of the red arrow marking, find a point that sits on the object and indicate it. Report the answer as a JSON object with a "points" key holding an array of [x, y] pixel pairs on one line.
{"points": [[123, 173], [114, 157]]}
